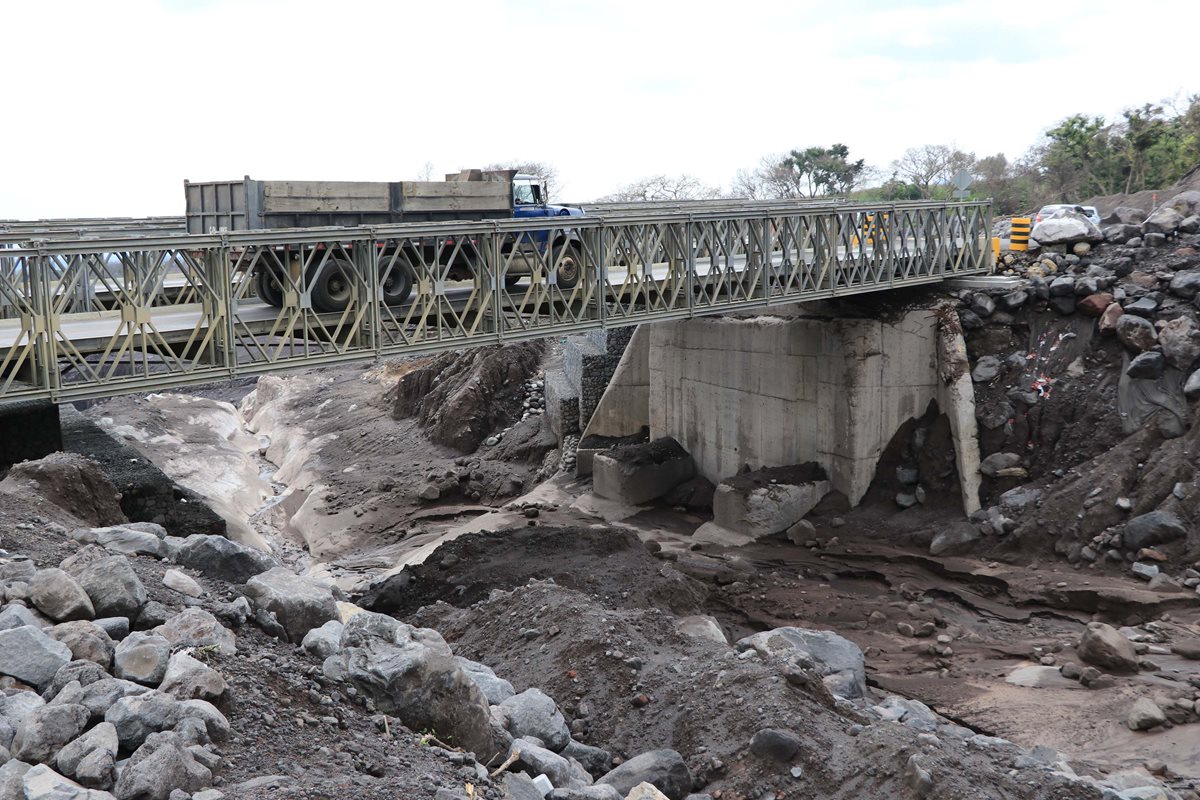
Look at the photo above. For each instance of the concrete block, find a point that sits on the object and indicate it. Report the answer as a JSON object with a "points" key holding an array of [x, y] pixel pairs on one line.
{"points": [[770, 500], [640, 473]]}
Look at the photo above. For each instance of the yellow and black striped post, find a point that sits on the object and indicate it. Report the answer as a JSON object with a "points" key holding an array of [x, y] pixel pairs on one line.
{"points": [[1019, 238]]}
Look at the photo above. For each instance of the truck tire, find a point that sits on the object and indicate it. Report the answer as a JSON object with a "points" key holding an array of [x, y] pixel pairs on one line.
{"points": [[397, 284], [570, 268], [332, 287], [268, 287]]}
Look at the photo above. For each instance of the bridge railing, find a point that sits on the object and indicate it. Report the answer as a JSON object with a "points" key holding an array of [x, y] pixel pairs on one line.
{"points": [[98, 317]]}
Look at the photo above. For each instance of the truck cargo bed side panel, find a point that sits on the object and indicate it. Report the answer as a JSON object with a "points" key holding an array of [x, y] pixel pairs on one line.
{"points": [[325, 197], [470, 198]]}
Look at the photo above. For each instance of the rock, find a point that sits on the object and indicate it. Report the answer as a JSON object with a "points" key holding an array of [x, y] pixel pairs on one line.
{"points": [[99, 696], [645, 791], [12, 774], [830, 654], [1180, 341], [1146, 572], [418, 684], [113, 586], [430, 492], [996, 462], [1065, 227], [1185, 284], [195, 627], [1108, 320], [1136, 333], [982, 305], [59, 597], [701, 627], [775, 744], [138, 716], [1153, 240], [103, 737], [663, 769], [532, 713], [1164, 220], [1121, 233], [29, 655], [595, 760], [299, 603], [1192, 388], [98, 770], [561, 771], [1152, 528], [220, 558], [638, 473], [1189, 225], [86, 640], [918, 778], [801, 532], [1145, 715], [46, 730], [154, 614], [14, 616], [495, 689], [124, 540], [1094, 304], [117, 628], [189, 679], [1127, 215], [323, 641], [955, 540], [43, 783], [81, 672], [159, 766], [1105, 647], [518, 786], [142, 658], [986, 369], [1147, 366], [1142, 307], [184, 584]]}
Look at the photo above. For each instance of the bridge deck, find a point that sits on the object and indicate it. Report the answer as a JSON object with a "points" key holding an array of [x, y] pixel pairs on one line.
{"points": [[92, 318]]}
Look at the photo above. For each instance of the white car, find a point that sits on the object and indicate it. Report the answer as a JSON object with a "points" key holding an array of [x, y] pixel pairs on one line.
{"points": [[1045, 212]]}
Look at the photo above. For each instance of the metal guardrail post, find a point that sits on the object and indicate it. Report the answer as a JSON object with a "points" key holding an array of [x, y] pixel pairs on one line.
{"points": [[689, 244]]}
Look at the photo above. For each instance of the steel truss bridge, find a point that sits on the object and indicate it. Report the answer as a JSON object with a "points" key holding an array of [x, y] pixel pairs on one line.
{"points": [[94, 311]]}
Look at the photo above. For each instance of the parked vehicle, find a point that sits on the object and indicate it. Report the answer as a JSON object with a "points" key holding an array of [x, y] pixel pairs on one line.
{"points": [[1045, 212], [469, 195]]}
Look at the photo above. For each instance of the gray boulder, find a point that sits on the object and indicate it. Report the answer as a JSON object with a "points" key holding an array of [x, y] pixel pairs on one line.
{"points": [[1145, 715], [664, 769], [537, 760], [184, 584], [830, 654], [189, 679], [14, 616], [994, 464], [986, 369], [494, 688], [98, 697], [29, 655], [1164, 220], [1121, 233], [43, 783], [218, 557], [16, 707], [81, 672], [1185, 284], [142, 657], [97, 770], [195, 627], [775, 744], [138, 716], [46, 730], [533, 713], [1180, 341], [956, 539], [12, 775], [1135, 333], [86, 640], [1189, 225], [1153, 528], [323, 641], [160, 766], [422, 687], [1147, 366], [595, 760], [102, 737], [1105, 647], [59, 597], [1065, 227], [113, 586], [300, 604], [124, 540]]}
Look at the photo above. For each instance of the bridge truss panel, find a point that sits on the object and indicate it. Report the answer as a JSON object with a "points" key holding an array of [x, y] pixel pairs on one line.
{"points": [[98, 317]]}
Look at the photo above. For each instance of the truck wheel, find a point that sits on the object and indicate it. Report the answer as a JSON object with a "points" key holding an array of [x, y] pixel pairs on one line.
{"points": [[268, 287], [398, 283], [333, 286], [570, 268]]}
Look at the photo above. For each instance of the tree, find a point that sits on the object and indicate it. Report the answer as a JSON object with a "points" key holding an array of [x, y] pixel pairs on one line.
{"points": [[663, 187], [809, 172], [545, 171], [930, 165]]}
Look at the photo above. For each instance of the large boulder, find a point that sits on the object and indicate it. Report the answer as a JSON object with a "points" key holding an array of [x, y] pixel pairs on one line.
{"points": [[1185, 284], [124, 540], [43, 783], [59, 597], [46, 730], [494, 688], [1126, 215], [834, 657], [195, 627], [137, 716], [323, 641], [1066, 227], [103, 737], [664, 769], [422, 687], [1163, 220], [532, 713], [87, 641], [1120, 233], [1152, 528], [160, 766], [1186, 203], [99, 696], [113, 586], [189, 679], [1103, 646], [218, 557], [563, 772], [1135, 333], [299, 603], [29, 655]]}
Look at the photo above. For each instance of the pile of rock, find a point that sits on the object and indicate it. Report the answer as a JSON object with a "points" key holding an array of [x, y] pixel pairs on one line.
{"points": [[105, 695]]}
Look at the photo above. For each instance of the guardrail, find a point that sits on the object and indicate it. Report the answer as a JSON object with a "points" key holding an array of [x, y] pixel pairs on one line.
{"points": [[92, 318]]}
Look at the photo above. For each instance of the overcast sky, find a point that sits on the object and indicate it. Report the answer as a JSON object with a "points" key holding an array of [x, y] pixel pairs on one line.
{"points": [[110, 105]]}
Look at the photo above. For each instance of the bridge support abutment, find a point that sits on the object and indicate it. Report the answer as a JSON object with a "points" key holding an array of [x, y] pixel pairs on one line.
{"points": [[793, 387]]}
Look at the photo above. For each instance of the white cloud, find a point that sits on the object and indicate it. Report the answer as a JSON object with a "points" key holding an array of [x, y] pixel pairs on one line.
{"points": [[111, 105]]}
